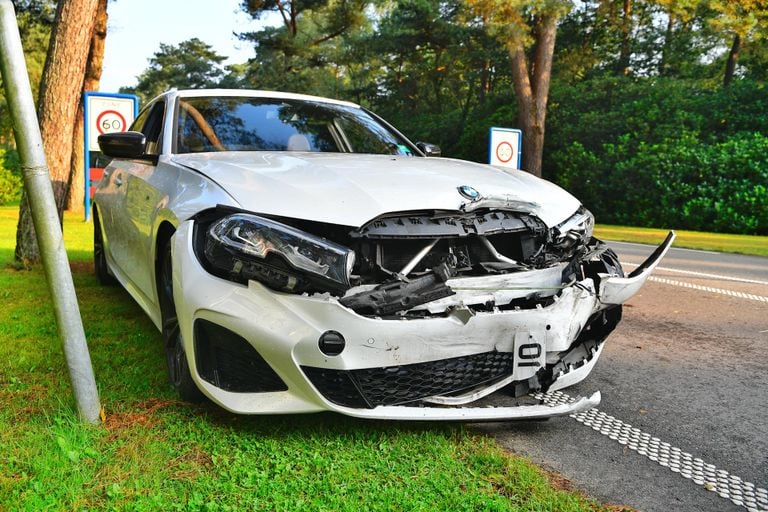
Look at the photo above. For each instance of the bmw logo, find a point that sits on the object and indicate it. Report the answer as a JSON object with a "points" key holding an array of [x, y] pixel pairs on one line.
{"points": [[468, 192]]}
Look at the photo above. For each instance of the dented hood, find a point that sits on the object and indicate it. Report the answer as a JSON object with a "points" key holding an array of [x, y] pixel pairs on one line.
{"points": [[352, 189]]}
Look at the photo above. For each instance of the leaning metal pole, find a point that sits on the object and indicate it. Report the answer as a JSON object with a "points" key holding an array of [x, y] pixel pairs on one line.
{"points": [[37, 183]]}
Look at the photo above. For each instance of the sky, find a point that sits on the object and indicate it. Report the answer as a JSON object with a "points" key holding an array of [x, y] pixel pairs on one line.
{"points": [[137, 27]]}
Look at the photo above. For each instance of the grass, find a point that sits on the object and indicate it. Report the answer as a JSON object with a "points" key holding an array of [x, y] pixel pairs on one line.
{"points": [[156, 453], [721, 242]]}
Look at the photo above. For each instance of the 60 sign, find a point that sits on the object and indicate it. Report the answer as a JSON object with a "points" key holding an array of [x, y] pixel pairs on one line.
{"points": [[110, 121]]}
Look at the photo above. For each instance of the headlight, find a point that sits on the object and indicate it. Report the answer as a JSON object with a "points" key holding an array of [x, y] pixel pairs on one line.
{"points": [[577, 228], [245, 247]]}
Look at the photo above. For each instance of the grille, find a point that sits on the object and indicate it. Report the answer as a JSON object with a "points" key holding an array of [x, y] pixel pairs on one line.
{"points": [[229, 362], [395, 385]]}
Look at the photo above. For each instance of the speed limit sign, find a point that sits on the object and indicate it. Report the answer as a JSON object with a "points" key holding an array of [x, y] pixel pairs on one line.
{"points": [[110, 121], [505, 147], [103, 113], [107, 113]]}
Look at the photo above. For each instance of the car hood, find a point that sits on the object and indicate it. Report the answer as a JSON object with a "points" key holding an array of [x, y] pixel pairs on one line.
{"points": [[352, 189]]}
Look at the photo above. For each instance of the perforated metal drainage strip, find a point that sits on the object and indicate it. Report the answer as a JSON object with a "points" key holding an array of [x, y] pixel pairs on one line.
{"points": [[731, 487]]}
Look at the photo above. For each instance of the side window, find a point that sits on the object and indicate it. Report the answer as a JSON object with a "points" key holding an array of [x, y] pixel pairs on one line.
{"points": [[138, 123], [153, 127]]}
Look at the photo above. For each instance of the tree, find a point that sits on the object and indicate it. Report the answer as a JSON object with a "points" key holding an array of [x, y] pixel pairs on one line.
{"points": [[57, 107], [744, 21], [35, 21], [191, 64], [304, 53], [523, 27], [90, 83]]}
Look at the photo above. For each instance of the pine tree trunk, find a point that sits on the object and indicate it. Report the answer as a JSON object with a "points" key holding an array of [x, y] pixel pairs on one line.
{"points": [[665, 67], [733, 57], [76, 188], [532, 91], [626, 38], [76, 197], [57, 108]]}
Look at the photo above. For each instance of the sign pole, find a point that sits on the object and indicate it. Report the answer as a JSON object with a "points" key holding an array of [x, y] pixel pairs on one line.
{"points": [[86, 160], [37, 182]]}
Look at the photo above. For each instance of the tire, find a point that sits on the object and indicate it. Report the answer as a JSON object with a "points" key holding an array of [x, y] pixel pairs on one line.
{"points": [[179, 373], [100, 267]]}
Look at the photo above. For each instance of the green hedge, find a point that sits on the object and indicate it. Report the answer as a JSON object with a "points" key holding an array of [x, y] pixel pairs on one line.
{"points": [[10, 176], [683, 183], [670, 154]]}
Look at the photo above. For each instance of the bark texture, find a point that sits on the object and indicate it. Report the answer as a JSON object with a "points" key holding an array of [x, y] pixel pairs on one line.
{"points": [[626, 38], [57, 107], [76, 196], [532, 89], [733, 58]]}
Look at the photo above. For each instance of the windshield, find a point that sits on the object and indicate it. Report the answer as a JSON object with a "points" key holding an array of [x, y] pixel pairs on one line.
{"points": [[267, 124]]}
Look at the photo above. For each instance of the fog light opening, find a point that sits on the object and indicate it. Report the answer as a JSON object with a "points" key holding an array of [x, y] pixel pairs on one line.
{"points": [[331, 343]]}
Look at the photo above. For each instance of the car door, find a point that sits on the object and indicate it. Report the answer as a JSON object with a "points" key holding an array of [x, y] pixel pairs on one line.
{"points": [[132, 207]]}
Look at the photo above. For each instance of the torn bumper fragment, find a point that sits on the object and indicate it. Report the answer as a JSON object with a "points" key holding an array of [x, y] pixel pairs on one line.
{"points": [[617, 290], [477, 414]]}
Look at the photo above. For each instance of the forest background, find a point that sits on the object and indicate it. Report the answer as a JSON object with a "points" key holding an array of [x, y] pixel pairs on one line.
{"points": [[657, 110]]}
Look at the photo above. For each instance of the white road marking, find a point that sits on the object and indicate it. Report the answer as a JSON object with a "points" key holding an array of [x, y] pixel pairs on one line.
{"points": [[731, 487], [702, 274], [683, 284], [676, 248]]}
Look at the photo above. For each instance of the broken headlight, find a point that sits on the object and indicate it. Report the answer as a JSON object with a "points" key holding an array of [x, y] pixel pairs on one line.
{"points": [[576, 230], [245, 247]]}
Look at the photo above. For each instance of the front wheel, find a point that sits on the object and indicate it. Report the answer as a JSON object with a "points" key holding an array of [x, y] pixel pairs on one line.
{"points": [[175, 357]]}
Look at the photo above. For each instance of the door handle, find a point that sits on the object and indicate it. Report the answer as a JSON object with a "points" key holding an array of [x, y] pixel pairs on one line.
{"points": [[118, 181]]}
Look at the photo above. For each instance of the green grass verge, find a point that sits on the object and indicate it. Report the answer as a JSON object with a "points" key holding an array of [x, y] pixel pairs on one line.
{"points": [[156, 453], [722, 242]]}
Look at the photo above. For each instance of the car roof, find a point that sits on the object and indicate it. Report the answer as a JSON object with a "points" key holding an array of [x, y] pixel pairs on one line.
{"points": [[194, 93]]}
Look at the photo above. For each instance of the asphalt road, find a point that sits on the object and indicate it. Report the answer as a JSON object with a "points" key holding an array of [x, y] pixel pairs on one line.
{"points": [[684, 381]]}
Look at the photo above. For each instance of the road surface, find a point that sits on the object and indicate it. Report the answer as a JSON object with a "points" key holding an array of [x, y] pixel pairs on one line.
{"points": [[683, 424]]}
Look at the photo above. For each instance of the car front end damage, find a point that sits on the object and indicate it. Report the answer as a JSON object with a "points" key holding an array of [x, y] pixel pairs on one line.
{"points": [[412, 316]]}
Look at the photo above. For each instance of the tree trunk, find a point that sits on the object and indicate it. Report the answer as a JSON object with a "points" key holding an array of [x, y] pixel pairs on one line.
{"points": [[626, 38], [57, 108], [532, 90], [76, 197], [665, 67], [733, 57], [485, 81]]}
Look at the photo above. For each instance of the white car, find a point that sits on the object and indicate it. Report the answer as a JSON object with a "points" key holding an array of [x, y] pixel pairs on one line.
{"points": [[299, 254]]}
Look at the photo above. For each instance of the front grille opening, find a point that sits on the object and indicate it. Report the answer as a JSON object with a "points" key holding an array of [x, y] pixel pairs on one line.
{"points": [[397, 385], [229, 362]]}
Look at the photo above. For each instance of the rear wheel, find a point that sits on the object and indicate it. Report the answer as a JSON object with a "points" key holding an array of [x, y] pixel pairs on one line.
{"points": [[99, 257], [175, 356]]}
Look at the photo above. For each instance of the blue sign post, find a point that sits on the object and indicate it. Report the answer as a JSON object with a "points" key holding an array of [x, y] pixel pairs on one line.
{"points": [[103, 113]]}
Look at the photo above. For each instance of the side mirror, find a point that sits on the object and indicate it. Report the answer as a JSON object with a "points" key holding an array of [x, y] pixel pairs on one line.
{"points": [[428, 149], [123, 144]]}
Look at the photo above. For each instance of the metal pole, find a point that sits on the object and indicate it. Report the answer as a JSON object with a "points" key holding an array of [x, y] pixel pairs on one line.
{"points": [[37, 182]]}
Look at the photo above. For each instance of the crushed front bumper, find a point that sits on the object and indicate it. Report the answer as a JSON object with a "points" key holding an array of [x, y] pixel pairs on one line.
{"points": [[388, 369]]}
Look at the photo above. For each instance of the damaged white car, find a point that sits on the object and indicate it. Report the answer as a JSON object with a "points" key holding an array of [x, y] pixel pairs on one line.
{"points": [[299, 254]]}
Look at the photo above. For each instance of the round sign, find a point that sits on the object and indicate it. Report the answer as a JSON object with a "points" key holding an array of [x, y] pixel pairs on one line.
{"points": [[110, 121], [504, 152]]}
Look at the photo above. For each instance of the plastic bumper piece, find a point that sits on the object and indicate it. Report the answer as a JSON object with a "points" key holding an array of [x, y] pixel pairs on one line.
{"points": [[475, 414], [617, 290]]}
